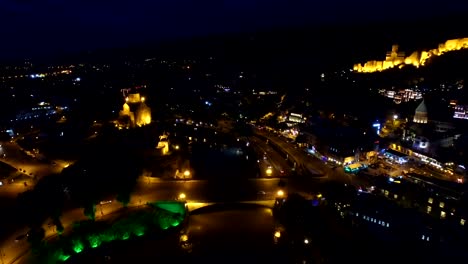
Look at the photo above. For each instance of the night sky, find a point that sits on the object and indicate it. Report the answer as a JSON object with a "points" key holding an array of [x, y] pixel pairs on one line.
{"points": [[34, 27]]}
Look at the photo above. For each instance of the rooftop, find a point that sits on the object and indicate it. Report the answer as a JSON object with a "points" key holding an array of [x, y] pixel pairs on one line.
{"points": [[422, 107]]}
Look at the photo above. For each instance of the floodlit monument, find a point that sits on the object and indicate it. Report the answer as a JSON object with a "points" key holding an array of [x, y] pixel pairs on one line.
{"points": [[163, 144], [135, 112], [420, 115], [395, 58]]}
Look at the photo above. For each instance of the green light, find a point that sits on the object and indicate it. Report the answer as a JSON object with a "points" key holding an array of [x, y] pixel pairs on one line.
{"points": [[77, 246], [139, 230], [94, 241], [175, 222], [63, 257], [171, 206], [164, 215], [108, 237], [60, 255]]}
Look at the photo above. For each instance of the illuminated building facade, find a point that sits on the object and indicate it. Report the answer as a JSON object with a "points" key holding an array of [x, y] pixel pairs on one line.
{"points": [[420, 115], [400, 96], [163, 144], [461, 112], [395, 58], [296, 118], [135, 111]]}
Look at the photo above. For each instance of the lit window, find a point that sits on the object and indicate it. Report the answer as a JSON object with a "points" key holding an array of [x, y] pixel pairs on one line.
{"points": [[442, 215], [395, 196], [462, 222], [430, 200], [441, 204], [429, 209]]}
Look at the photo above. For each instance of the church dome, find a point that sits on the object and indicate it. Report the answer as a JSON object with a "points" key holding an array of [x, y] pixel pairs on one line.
{"points": [[421, 107], [420, 115]]}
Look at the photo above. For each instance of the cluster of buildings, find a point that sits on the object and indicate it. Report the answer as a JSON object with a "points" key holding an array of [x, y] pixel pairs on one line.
{"points": [[427, 136], [40, 111], [460, 111], [134, 113], [332, 142], [405, 95], [409, 210], [419, 139]]}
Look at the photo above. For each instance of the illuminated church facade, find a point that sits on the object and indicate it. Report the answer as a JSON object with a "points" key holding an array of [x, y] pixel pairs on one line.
{"points": [[420, 115], [135, 113]]}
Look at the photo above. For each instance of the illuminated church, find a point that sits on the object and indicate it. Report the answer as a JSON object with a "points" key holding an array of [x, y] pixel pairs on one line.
{"points": [[420, 115], [135, 112]]}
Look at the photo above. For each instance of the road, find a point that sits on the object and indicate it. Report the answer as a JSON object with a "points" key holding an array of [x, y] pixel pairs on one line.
{"points": [[32, 169], [270, 158], [311, 163], [313, 166], [14, 156]]}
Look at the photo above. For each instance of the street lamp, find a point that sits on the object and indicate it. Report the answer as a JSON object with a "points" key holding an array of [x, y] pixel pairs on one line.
{"points": [[280, 193], [269, 171], [277, 234], [182, 196], [186, 173], [183, 238]]}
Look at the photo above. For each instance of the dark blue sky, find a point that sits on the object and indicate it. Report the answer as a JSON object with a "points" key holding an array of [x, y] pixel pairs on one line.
{"points": [[32, 27]]}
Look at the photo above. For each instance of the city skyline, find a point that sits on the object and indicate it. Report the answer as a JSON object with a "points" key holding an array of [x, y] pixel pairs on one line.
{"points": [[233, 130]]}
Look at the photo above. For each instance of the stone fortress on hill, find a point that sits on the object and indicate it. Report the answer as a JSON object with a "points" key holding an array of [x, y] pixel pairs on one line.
{"points": [[396, 58]]}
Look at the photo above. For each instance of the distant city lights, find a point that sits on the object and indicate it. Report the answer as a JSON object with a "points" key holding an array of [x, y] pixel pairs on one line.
{"points": [[377, 126]]}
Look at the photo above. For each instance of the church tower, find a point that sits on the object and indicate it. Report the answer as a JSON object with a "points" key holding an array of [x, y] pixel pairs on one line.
{"points": [[420, 115]]}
